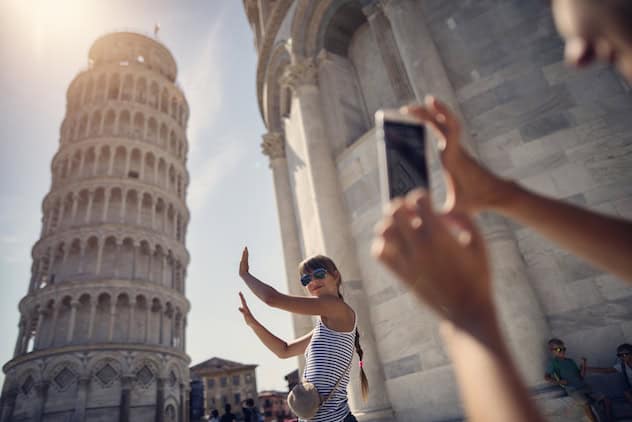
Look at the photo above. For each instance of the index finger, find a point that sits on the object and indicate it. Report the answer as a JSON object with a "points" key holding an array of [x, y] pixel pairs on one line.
{"points": [[243, 301]]}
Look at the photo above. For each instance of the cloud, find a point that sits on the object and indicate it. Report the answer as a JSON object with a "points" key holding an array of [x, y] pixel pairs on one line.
{"points": [[202, 83], [208, 173]]}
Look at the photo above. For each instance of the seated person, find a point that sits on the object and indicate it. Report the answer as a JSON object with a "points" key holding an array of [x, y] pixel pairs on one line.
{"points": [[564, 372], [622, 366]]}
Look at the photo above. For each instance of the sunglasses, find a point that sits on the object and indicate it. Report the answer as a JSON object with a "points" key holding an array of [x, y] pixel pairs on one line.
{"points": [[623, 354], [559, 349], [318, 273]]}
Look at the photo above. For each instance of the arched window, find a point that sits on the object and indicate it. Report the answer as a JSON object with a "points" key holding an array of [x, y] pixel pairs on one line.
{"points": [[154, 94], [152, 129], [99, 95], [114, 87], [141, 91], [108, 124], [87, 98], [95, 123], [128, 88], [164, 101], [124, 123], [174, 107], [139, 125]]}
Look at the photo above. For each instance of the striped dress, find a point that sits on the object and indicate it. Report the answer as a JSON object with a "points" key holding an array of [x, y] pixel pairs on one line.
{"points": [[327, 358]]}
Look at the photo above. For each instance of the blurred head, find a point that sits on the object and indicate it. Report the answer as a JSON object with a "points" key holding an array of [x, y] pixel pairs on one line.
{"points": [[250, 402], [320, 276], [557, 348], [596, 30], [624, 352], [214, 413], [227, 408]]}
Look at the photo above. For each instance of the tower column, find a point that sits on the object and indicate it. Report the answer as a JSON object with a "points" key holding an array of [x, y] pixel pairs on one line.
{"points": [[331, 234], [94, 302], [274, 147], [41, 390], [73, 315], [81, 400]]}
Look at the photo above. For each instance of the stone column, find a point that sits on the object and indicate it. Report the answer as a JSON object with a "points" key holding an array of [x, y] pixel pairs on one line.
{"points": [[123, 206], [54, 324], [99, 256], [106, 205], [38, 331], [132, 313], [331, 233], [80, 402], [112, 317], [8, 405], [73, 316], [161, 333], [134, 257], [147, 322], [383, 34], [89, 209], [160, 400], [75, 204], [126, 392], [274, 147], [21, 332], [93, 310], [522, 318], [41, 390]]}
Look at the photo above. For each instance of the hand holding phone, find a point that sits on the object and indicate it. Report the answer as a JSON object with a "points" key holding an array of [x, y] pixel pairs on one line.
{"points": [[401, 153]]}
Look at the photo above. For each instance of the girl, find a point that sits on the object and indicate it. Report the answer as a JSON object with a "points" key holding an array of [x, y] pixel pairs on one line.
{"points": [[328, 348]]}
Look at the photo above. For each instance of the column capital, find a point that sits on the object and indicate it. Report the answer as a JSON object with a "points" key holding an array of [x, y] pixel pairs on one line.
{"points": [[373, 8], [273, 145], [304, 71]]}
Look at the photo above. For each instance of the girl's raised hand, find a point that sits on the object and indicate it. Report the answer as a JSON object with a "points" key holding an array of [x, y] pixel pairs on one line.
{"points": [[245, 311], [243, 264]]}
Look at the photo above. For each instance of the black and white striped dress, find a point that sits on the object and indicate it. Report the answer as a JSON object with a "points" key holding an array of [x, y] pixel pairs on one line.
{"points": [[327, 358]]}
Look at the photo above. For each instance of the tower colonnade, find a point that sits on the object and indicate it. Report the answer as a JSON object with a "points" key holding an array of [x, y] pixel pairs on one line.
{"points": [[102, 329]]}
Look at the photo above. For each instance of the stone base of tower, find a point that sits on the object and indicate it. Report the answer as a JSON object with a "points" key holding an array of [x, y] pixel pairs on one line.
{"points": [[113, 382]]}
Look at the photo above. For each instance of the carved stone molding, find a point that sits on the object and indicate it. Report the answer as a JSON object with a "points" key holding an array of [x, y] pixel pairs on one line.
{"points": [[273, 145], [303, 72]]}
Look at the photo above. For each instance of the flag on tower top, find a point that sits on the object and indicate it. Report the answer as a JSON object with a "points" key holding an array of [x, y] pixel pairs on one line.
{"points": [[156, 29]]}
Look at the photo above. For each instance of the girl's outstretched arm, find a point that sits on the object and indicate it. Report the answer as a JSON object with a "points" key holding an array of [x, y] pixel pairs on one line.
{"points": [[325, 306], [277, 346]]}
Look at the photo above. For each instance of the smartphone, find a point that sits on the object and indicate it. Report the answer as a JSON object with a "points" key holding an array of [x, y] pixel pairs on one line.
{"points": [[401, 154]]}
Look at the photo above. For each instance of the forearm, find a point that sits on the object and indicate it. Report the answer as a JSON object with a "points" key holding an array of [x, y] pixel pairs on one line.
{"points": [[604, 241], [272, 342], [597, 370], [480, 357], [264, 292]]}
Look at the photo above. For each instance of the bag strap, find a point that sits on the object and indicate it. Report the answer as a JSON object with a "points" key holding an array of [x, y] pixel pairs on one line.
{"points": [[338, 382]]}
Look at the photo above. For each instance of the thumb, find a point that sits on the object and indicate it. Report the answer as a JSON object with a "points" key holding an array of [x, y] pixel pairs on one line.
{"points": [[463, 229]]}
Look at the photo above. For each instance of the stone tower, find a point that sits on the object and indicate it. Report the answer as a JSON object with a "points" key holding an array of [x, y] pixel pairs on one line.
{"points": [[102, 327]]}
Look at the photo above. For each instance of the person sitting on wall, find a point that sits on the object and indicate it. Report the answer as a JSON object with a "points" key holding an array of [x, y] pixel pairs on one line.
{"points": [[622, 366], [563, 371]]}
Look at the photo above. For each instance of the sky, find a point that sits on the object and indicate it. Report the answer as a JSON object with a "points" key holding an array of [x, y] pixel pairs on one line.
{"points": [[43, 45]]}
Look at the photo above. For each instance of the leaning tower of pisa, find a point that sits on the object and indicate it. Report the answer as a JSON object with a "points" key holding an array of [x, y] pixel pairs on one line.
{"points": [[102, 327]]}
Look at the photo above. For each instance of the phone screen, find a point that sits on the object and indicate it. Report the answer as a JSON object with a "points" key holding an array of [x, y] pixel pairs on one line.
{"points": [[405, 157]]}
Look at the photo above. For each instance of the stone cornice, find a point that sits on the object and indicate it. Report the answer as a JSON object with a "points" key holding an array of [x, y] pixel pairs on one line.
{"points": [[102, 347], [273, 145], [105, 285], [121, 231], [108, 182]]}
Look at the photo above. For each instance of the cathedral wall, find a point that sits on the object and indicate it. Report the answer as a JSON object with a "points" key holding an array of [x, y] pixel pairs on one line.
{"points": [[561, 132]]}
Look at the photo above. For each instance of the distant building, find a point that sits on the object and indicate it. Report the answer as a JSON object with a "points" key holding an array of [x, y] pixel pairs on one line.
{"points": [[292, 379], [226, 382], [274, 406]]}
